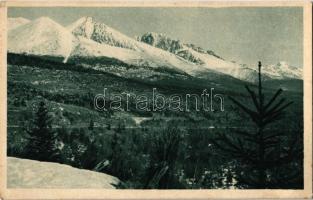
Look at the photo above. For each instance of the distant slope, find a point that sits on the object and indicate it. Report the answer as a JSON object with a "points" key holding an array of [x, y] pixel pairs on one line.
{"points": [[24, 173], [206, 59], [283, 70], [210, 60]]}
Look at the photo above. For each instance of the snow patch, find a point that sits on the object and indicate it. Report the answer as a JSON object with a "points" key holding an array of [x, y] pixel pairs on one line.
{"points": [[24, 173]]}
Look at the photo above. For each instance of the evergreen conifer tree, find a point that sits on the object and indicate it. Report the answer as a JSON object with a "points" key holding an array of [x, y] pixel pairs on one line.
{"points": [[261, 152], [42, 139]]}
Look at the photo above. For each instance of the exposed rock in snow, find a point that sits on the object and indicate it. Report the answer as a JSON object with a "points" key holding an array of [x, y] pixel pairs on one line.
{"points": [[24, 173], [100, 33], [206, 59], [82, 27], [16, 22], [174, 46], [161, 41], [209, 60], [42, 36]]}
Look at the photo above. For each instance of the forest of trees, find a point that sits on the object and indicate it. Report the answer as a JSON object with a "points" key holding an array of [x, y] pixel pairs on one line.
{"points": [[167, 156]]}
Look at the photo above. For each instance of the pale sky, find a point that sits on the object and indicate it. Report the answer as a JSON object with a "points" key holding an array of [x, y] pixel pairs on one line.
{"points": [[245, 35]]}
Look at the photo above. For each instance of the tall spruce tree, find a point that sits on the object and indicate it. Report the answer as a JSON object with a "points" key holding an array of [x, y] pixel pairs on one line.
{"points": [[261, 152], [42, 139]]}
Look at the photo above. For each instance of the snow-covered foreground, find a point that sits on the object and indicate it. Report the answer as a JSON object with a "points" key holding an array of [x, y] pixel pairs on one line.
{"points": [[24, 173]]}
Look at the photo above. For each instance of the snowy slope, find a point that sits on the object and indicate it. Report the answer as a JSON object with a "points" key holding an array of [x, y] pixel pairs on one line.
{"points": [[138, 53], [24, 173], [206, 59], [89, 48], [101, 33], [153, 58], [282, 71], [89, 39], [209, 60], [16, 22], [42, 36]]}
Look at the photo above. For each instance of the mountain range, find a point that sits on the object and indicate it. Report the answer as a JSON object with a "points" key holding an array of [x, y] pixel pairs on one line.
{"points": [[88, 39]]}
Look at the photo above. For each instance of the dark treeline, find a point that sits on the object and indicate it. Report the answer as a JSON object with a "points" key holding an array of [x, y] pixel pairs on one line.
{"points": [[262, 151]]}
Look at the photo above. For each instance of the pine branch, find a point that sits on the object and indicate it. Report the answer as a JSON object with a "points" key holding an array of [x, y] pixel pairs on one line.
{"points": [[254, 115], [271, 119], [254, 98], [283, 107], [275, 107], [273, 99]]}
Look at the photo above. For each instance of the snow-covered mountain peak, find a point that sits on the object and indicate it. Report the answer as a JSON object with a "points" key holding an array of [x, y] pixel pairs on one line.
{"points": [[161, 41], [154, 36], [46, 21], [42, 36], [282, 70], [82, 27], [85, 18], [175, 46], [205, 58], [16, 22], [89, 38], [87, 27]]}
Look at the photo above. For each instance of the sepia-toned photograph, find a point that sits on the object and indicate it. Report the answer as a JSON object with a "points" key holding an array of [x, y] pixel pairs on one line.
{"points": [[156, 98]]}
